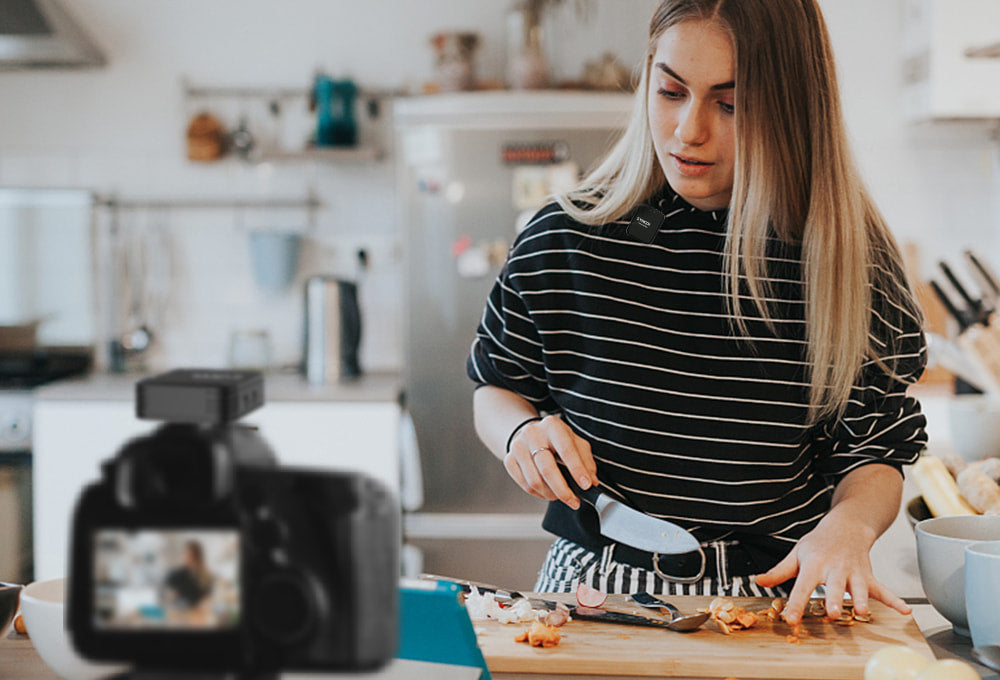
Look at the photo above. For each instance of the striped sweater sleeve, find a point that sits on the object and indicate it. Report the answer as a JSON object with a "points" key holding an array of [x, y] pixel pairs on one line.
{"points": [[507, 350], [882, 424]]}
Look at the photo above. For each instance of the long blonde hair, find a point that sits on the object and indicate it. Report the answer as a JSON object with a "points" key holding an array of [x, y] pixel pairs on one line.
{"points": [[794, 175]]}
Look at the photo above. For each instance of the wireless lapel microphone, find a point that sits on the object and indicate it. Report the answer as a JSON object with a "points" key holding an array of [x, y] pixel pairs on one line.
{"points": [[646, 223]]}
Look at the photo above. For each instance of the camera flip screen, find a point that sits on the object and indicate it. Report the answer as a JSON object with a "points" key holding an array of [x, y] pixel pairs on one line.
{"points": [[180, 579]]}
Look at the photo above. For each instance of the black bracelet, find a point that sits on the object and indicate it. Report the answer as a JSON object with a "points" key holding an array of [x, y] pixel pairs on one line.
{"points": [[518, 429]]}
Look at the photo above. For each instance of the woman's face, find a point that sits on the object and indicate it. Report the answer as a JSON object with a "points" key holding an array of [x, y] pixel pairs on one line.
{"points": [[691, 115]]}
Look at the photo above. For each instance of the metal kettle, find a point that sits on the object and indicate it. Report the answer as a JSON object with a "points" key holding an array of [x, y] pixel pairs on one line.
{"points": [[332, 330]]}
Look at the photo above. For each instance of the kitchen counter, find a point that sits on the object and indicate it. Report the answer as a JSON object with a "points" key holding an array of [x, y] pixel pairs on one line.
{"points": [[21, 661], [370, 387]]}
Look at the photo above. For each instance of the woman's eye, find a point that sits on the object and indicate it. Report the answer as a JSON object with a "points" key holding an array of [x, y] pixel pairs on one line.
{"points": [[727, 107], [670, 94]]}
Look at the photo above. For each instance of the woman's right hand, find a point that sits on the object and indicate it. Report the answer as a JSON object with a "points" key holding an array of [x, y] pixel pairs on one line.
{"points": [[535, 453]]}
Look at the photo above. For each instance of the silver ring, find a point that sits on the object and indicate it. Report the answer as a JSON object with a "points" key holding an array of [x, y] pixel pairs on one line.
{"points": [[539, 450]]}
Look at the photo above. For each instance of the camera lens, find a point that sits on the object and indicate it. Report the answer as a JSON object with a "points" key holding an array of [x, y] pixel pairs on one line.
{"points": [[284, 607]]}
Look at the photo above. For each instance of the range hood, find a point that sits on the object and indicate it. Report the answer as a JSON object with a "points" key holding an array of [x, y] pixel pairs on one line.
{"points": [[42, 34]]}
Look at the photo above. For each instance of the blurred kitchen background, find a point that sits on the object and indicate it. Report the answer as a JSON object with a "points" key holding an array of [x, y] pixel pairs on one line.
{"points": [[195, 184]]}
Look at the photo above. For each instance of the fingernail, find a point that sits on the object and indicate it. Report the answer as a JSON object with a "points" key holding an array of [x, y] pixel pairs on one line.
{"points": [[575, 504], [584, 483]]}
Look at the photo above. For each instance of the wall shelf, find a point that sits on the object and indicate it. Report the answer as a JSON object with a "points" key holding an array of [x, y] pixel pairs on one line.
{"points": [[360, 154]]}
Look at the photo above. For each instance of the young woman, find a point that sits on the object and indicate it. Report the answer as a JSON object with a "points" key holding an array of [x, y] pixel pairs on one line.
{"points": [[744, 375]]}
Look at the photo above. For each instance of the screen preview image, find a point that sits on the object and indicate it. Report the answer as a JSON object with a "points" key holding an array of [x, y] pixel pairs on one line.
{"points": [[180, 579]]}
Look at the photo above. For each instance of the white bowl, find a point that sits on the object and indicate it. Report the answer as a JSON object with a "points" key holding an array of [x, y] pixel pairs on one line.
{"points": [[44, 617], [941, 545], [974, 423]]}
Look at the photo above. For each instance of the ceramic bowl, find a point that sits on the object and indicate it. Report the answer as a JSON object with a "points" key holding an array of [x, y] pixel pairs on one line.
{"points": [[10, 594], [974, 423], [917, 511], [44, 617], [941, 545]]}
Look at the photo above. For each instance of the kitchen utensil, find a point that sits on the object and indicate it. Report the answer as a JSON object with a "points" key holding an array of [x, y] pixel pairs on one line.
{"points": [[978, 340], [988, 655], [957, 314], [241, 140], [679, 622], [982, 592], [974, 307], [941, 545], [275, 258], [467, 585], [633, 528], [825, 650], [332, 330], [984, 276], [581, 613]]}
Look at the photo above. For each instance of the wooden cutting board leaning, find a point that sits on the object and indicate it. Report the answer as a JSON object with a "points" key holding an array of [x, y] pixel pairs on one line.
{"points": [[824, 650]]}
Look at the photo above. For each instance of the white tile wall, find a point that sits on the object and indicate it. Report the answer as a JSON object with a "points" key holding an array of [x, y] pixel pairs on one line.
{"points": [[119, 130]]}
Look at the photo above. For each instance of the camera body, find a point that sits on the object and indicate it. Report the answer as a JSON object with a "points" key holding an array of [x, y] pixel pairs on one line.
{"points": [[196, 551]]}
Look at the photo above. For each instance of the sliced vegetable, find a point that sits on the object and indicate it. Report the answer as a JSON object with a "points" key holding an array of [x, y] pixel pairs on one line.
{"points": [[586, 596]]}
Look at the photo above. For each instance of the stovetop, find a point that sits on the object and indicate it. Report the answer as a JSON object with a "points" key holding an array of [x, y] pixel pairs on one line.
{"points": [[20, 370]]}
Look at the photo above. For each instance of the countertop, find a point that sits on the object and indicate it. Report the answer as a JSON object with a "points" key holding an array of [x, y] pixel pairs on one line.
{"points": [[370, 387], [18, 658]]}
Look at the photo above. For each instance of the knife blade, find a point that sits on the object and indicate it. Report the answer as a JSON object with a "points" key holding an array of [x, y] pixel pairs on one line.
{"points": [[627, 525], [579, 613]]}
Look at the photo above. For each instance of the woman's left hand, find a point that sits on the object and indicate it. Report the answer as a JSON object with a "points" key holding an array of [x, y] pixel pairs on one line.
{"points": [[835, 553]]}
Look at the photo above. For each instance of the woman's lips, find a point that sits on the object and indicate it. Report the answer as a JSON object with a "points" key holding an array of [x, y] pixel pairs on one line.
{"points": [[691, 167]]}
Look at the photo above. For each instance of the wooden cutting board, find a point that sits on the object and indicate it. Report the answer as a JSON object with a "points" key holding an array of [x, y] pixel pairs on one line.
{"points": [[825, 650]]}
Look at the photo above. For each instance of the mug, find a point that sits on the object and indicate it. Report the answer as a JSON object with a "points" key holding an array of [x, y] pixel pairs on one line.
{"points": [[982, 592], [275, 258]]}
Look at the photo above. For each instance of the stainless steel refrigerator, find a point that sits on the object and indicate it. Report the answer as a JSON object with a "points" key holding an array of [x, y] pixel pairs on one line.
{"points": [[472, 167]]}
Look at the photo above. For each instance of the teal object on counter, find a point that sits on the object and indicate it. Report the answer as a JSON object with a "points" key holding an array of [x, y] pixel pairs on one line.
{"points": [[435, 626], [335, 123]]}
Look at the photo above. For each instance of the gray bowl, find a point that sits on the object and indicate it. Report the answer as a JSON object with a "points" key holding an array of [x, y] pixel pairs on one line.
{"points": [[941, 545]]}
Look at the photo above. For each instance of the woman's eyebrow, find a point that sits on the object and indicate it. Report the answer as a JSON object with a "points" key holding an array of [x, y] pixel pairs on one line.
{"points": [[728, 85]]}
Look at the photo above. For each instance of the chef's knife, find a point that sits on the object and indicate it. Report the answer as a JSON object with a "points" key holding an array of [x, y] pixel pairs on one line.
{"points": [[985, 276], [975, 307], [955, 312], [579, 613], [627, 525]]}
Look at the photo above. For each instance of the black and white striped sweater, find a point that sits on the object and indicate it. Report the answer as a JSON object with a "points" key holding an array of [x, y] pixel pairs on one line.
{"points": [[687, 419]]}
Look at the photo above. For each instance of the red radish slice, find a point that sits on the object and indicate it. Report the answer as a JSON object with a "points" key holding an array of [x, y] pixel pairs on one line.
{"points": [[589, 597]]}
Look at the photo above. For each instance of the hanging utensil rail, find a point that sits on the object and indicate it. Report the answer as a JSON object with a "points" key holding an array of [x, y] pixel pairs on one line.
{"points": [[310, 202]]}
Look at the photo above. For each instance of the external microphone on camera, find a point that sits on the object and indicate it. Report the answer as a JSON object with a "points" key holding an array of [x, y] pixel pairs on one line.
{"points": [[646, 223]]}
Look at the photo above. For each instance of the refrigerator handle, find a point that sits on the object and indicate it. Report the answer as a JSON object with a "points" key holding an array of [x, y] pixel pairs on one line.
{"points": [[411, 480]]}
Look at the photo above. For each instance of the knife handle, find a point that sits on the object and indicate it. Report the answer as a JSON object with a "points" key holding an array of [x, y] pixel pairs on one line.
{"points": [[590, 495], [974, 306]]}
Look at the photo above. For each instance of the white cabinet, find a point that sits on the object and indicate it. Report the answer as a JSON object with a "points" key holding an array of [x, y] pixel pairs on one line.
{"points": [[73, 437], [942, 81]]}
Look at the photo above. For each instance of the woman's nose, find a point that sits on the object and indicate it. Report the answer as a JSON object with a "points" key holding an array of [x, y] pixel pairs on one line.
{"points": [[691, 126]]}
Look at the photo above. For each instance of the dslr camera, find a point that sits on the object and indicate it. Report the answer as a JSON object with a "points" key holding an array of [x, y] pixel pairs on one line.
{"points": [[196, 552]]}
